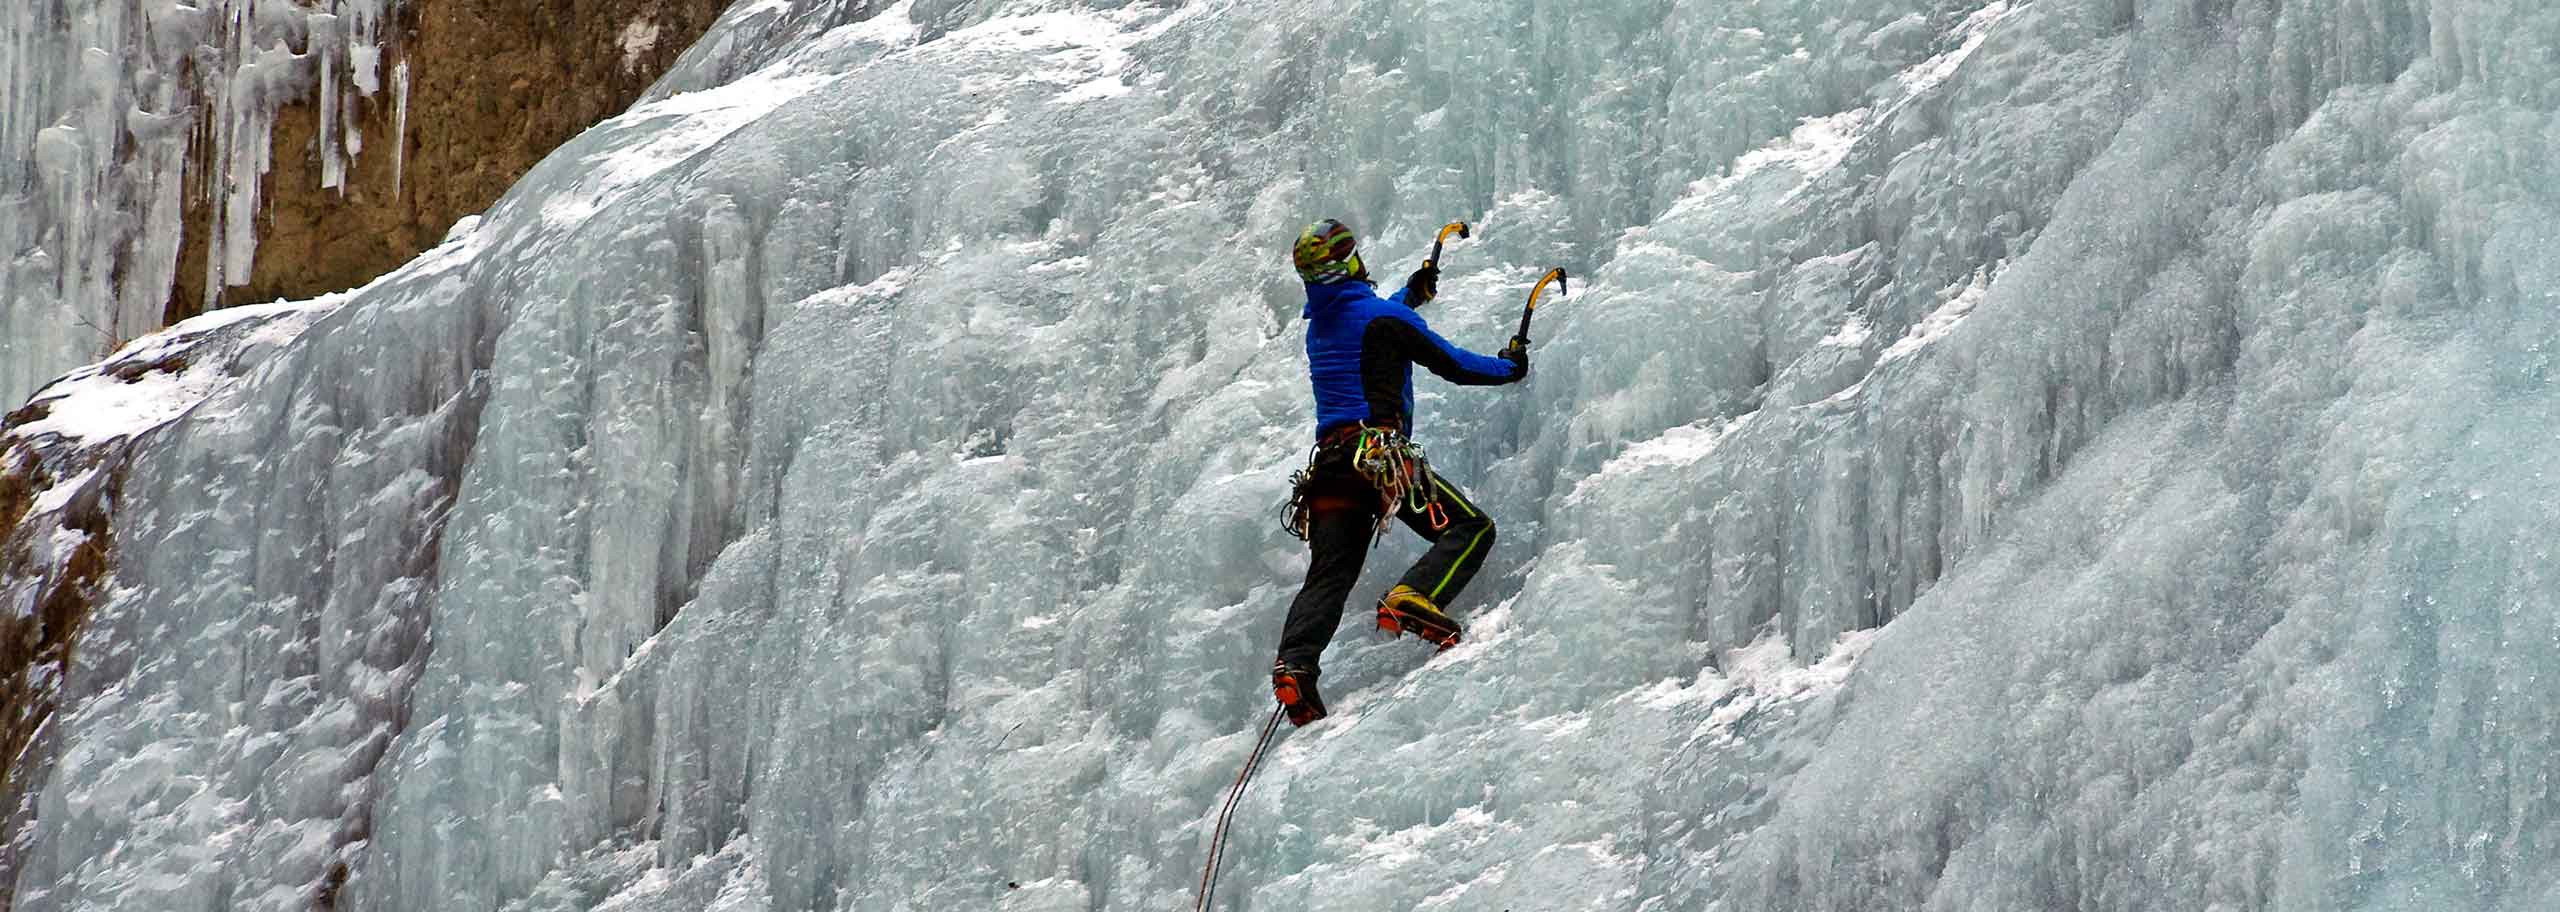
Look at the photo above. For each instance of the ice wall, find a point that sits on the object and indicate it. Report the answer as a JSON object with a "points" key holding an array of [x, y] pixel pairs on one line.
{"points": [[2054, 454], [103, 105]]}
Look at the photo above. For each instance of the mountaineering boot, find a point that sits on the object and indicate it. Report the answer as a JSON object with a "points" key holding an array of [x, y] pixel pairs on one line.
{"points": [[1295, 685], [1406, 611]]}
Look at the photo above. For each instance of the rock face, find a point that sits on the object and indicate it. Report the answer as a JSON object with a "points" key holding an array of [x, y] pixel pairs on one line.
{"points": [[161, 158], [493, 85]]}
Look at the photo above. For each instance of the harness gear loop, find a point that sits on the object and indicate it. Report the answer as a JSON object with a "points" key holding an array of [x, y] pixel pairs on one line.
{"points": [[1218, 837], [1382, 456], [1300, 511]]}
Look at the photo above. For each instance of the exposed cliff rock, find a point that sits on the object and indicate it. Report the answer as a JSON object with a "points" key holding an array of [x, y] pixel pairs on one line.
{"points": [[491, 86]]}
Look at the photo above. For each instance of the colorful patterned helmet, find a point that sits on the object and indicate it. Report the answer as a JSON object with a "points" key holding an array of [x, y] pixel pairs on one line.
{"points": [[1324, 254]]}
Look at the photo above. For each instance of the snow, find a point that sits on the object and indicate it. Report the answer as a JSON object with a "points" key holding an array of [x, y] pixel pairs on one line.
{"points": [[1677, 446], [58, 496], [1975, 29], [1996, 455], [1851, 334], [1816, 145], [679, 127], [1766, 675], [1939, 322], [108, 409], [130, 393]]}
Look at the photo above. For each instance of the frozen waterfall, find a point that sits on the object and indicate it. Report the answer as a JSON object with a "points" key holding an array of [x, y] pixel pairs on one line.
{"points": [[1998, 455]]}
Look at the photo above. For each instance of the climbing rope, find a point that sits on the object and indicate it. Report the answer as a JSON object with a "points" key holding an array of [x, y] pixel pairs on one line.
{"points": [[1218, 838]]}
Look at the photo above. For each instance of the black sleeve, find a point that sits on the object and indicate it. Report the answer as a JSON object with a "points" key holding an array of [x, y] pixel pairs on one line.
{"points": [[1421, 346]]}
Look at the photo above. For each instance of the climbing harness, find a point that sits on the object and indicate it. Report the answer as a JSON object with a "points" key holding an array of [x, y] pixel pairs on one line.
{"points": [[1393, 465], [1385, 458], [1218, 837]]}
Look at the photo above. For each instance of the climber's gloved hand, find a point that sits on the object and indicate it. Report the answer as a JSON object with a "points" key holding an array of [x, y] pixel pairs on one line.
{"points": [[1518, 354], [1422, 286]]}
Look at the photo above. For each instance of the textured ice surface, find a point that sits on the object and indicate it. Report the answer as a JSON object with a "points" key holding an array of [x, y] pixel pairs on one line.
{"points": [[2021, 455]]}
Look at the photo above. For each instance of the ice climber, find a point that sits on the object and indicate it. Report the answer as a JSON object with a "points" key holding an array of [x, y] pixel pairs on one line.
{"points": [[1361, 349]]}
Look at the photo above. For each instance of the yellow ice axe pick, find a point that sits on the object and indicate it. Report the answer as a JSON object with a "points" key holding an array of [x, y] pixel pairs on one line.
{"points": [[1460, 228], [1563, 286]]}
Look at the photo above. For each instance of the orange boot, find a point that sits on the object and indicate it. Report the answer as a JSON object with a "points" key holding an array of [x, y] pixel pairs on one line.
{"points": [[1404, 610], [1295, 687]]}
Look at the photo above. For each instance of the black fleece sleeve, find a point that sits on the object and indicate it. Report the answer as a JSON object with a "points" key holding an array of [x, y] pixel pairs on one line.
{"points": [[1418, 344]]}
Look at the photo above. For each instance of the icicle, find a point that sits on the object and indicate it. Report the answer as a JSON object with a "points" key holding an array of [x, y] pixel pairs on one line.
{"points": [[400, 120], [323, 47], [169, 100], [360, 26], [364, 45], [364, 64]]}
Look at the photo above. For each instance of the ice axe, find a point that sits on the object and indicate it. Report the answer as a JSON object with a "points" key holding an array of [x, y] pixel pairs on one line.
{"points": [[1459, 227], [1563, 286]]}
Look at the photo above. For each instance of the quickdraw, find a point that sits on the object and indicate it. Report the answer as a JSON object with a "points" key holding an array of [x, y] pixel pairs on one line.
{"points": [[1392, 464], [1295, 516]]}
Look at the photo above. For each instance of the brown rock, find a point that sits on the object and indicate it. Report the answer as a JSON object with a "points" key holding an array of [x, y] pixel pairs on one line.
{"points": [[565, 65]]}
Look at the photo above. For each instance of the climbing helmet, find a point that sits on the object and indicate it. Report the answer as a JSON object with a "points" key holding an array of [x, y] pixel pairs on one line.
{"points": [[1324, 254]]}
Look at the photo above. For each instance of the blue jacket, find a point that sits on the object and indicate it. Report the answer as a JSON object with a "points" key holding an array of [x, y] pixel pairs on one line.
{"points": [[1361, 350]]}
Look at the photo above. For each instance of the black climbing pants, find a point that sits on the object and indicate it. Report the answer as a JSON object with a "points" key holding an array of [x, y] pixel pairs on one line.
{"points": [[1342, 518]]}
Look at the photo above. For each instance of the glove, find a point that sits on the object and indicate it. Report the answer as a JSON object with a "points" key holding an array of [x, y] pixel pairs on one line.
{"points": [[1422, 286], [1518, 354]]}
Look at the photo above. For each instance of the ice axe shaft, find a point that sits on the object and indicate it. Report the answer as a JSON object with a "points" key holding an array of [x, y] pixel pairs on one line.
{"points": [[1563, 286]]}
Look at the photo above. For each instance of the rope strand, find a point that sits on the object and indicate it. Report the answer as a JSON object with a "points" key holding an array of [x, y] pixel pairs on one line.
{"points": [[1218, 838]]}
